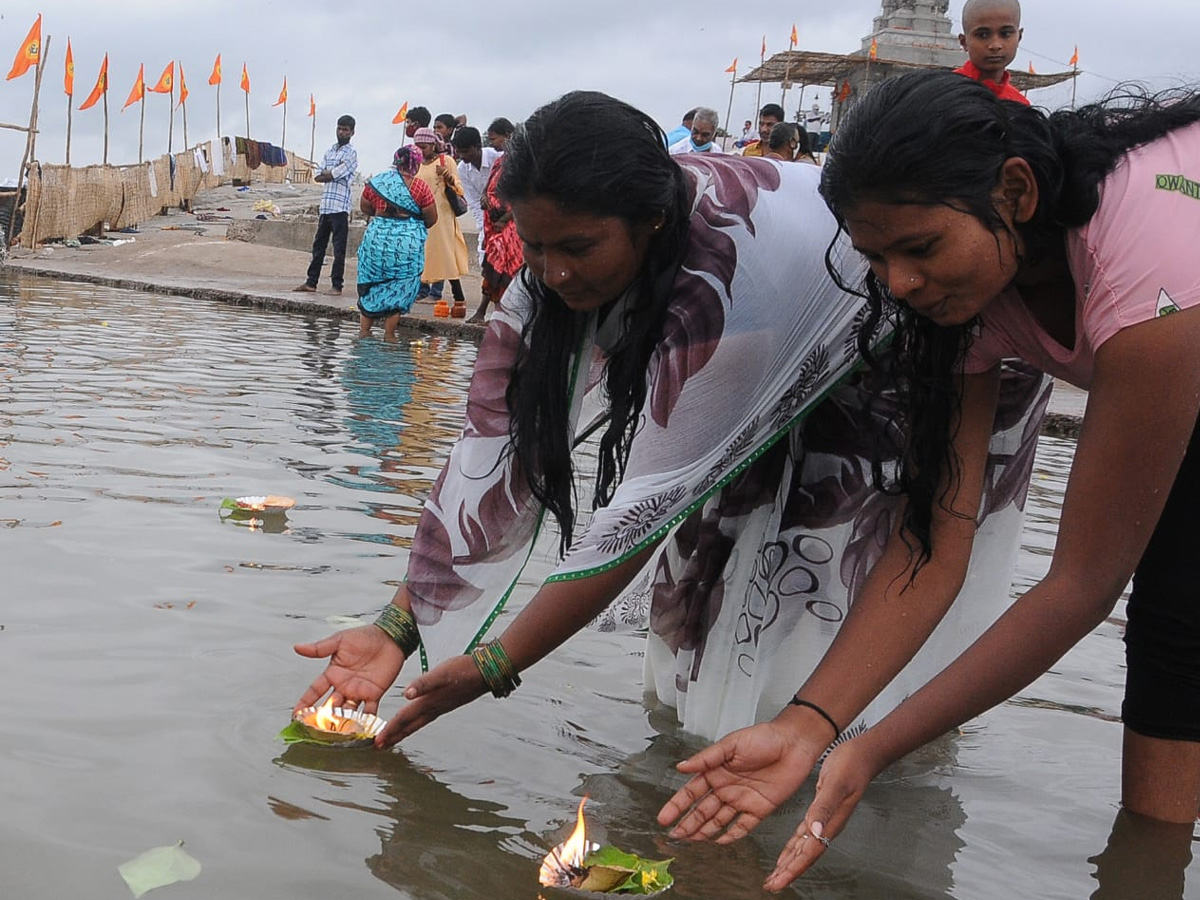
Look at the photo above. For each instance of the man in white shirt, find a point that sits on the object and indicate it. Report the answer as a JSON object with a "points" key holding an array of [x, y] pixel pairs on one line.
{"points": [[814, 123], [474, 168]]}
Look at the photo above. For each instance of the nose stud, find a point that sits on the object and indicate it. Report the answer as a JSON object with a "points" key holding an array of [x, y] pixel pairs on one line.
{"points": [[562, 274]]}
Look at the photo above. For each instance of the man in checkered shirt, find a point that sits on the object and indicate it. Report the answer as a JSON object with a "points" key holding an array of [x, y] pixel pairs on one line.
{"points": [[337, 171]]}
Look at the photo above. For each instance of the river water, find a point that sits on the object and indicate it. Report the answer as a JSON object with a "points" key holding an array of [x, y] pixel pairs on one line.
{"points": [[147, 648]]}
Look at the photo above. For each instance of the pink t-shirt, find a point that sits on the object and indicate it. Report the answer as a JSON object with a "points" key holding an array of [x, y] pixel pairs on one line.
{"points": [[1137, 259]]}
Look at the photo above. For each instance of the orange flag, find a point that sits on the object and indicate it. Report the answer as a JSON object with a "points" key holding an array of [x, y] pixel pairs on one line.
{"points": [[1031, 72], [764, 46], [215, 77], [312, 105], [282, 94], [733, 66], [166, 81], [69, 76], [1074, 58], [29, 53], [795, 37], [183, 91], [245, 79], [101, 87], [874, 52], [844, 95], [139, 89], [399, 118]]}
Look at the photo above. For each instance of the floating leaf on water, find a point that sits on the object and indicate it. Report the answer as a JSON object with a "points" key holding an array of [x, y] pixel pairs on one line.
{"points": [[159, 867], [641, 876]]}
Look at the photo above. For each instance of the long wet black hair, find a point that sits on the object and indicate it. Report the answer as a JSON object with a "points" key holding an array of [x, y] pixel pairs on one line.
{"points": [[592, 154], [942, 139]]}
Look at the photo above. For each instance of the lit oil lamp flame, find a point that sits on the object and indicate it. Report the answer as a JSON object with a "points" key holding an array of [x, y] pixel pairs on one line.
{"points": [[564, 864], [327, 721]]}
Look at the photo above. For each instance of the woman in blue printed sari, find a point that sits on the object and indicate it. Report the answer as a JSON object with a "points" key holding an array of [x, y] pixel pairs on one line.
{"points": [[401, 209]]}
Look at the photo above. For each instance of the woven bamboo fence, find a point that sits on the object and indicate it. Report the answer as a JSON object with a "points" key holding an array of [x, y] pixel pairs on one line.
{"points": [[65, 201]]}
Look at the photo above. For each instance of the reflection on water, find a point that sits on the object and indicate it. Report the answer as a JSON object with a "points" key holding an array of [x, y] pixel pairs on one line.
{"points": [[152, 641]]}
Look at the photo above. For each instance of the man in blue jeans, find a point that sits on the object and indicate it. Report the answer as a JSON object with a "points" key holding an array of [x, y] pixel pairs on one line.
{"points": [[337, 171]]}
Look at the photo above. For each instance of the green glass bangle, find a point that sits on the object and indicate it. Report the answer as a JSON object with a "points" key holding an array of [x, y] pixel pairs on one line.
{"points": [[499, 674], [401, 627]]}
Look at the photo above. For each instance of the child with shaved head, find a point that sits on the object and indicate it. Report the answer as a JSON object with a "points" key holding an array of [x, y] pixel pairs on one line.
{"points": [[991, 33]]}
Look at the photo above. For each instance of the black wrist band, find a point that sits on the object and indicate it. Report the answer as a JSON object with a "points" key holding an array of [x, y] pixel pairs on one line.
{"points": [[837, 732]]}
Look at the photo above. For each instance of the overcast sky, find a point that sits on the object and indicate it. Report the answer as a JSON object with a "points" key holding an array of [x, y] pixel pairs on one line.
{"points": [[487, 58]]}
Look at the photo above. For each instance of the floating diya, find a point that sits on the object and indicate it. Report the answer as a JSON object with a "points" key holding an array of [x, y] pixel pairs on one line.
{"points": [[335, 726], [584, 866], [268, 503], [267, 512]]}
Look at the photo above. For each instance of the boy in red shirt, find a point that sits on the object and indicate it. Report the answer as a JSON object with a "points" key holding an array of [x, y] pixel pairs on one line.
{"points": [[991, 34]]}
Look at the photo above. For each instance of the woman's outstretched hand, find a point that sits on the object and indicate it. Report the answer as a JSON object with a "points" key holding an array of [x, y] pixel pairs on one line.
{"points": [[443, 688], [739, 781], [844, 777], [363, 664]]}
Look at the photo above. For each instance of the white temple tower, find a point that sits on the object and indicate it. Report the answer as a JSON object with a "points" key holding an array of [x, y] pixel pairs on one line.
{"points": [[916, 31]]}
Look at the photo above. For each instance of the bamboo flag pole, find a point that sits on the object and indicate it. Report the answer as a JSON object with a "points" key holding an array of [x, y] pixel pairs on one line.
{"points": [[787, 71], [312, 144], [1074, 74], [283, 100], [30, 137], [729, 108], [762, 61], [183, 95], [106, 122], [246, 90], [69, 90], [215, 79], [138, 93], [171, 120], [142, 128]]}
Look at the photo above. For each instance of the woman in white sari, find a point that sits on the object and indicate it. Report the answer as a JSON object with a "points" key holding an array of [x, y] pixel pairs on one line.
{"points": [[681, 309]]}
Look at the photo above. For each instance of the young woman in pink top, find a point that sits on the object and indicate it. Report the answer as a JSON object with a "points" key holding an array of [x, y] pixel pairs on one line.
{"points": [[1069, 241]]}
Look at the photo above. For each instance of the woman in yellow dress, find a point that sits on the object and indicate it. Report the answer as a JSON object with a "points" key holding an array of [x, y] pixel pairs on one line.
{"points": [[445, 249]]}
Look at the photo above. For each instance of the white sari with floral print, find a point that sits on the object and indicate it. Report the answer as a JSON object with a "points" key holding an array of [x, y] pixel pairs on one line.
{"points": [[756, 338]]}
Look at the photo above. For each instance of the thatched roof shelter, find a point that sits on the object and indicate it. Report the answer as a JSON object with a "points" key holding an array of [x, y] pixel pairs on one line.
{"points": [[814, 67]]}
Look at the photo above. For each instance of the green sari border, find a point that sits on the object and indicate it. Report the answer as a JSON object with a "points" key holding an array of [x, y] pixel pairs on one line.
{"points": [[678, 518]]}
